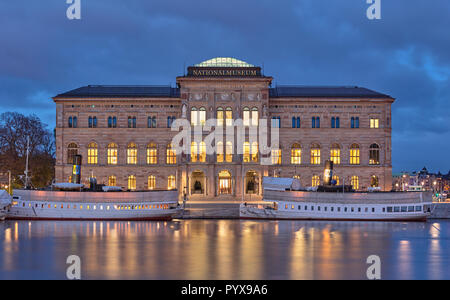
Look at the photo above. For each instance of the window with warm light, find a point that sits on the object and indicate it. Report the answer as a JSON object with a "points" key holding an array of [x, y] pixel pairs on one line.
{"points": [[112, 154], [254, 152], [219, 151], [354, 154], [151, 182], [132, 154], [355, 182], [194, 152], [194, 116], [132, 182], [92, 154], [255, 116], [229, 152], [229, 116], [171, 155], [335, 178], [246, 116], [220, 116], [152, 154], [72, 150], [374, 123], [276, 156], [112, 181], [246, 152], [296, 154], [374, 182], [315, 154], [202, 116], [335, 154], [202, 156], [171, 183], [315, 181]]}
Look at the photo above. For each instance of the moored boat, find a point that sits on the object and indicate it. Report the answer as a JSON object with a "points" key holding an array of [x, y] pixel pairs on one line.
{"points": [[5, 203], [283, 202]]}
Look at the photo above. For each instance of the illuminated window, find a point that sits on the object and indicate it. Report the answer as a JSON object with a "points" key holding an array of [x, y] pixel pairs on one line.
{"points": [[225, 183], [255, 116], [112, 154], [374, 182], [335, 154], [202, 116], [220, 117], [354, 154], [246, 152], [194, 152], [112, 181], [132, 154], [374, 154], [335, 178], [296, 177], [315, 154], [219, 151], [355, 182], [254, 152], [72, 150], [315, 180], [152, 154], [296, 154], [229, 116], [171, 183], [374, 123], [202, 157], [229, 152], [92, 154], [194, 116], [246, 116], [171, 155], [276, 156], [151, 182], [132, 183]]}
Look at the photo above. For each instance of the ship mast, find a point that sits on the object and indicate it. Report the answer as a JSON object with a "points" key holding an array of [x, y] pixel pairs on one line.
{"points": [[27, 179]]}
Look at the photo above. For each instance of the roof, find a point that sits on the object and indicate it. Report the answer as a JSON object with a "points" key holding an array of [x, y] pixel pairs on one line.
{"points": [[324, 92], [118, 91], [225, 62]]}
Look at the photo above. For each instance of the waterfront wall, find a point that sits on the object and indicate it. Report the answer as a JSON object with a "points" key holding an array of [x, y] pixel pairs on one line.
{"points": [[441, 211]]}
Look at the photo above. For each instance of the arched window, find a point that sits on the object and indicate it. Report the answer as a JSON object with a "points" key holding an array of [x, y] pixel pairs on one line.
{"points": [[112, 181], [70, 122], [151, 182], [255, 116], [355, 182], [220, 116], [171, 183], [132, 154], [92, 154], [110, 122], [374, 154], [335, 154], [170, 121], [202, 156], [194, 116], [75, 122], [276, 156], [219, 151], [72, 150], [296, 154], [315, 154], [151, 122], [112, 154], [374, 182], [202, 116], [194, 152], [315, 122], [229, 116], [152, 154], [354, 154], [296, 177], [225, 183], [132, 183], [171, 155], [229, 152], [254, 152], [246, 116], [315, 181]]}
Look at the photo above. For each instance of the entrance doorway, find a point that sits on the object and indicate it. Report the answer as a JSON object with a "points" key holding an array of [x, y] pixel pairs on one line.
{"points": [[251, 183], [224, 183], [198, 183]]}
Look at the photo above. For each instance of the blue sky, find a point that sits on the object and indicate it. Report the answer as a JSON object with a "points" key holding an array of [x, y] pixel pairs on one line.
{"points": [[406, 54]]}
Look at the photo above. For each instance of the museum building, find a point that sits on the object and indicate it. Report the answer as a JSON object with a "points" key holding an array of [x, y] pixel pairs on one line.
{"points": [[125, 137]]}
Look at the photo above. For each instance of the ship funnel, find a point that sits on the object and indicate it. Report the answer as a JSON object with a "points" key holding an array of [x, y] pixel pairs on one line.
{"points": [[328, 172], [76, 169]]}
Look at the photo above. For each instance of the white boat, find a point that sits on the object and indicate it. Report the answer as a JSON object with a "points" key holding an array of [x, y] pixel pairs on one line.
{"points": [[5, 202], [87, 205], [282, 202]]}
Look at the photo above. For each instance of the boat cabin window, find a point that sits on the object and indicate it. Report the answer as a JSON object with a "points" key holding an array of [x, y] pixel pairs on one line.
{"points": [[306, 207], [404, 209], [373, 209], [410, 208], [396, 209], [299, 207], [418, 208]]}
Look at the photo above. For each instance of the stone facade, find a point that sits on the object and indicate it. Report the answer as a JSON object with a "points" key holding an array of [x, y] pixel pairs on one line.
{"points": [[201, 179]]}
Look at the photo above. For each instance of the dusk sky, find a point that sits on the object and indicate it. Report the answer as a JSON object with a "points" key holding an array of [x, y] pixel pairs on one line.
{"points": [[406, 54]]}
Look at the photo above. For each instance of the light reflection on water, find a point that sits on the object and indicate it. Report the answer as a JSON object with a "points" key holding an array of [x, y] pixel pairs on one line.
{"points": [[224, 249]]}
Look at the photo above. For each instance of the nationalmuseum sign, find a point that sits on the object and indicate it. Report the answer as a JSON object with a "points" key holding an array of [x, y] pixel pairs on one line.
{"points": [[224, 72]]}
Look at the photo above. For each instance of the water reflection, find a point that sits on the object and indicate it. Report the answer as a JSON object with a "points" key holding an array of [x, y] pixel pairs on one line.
{"points": [[224, 249]]}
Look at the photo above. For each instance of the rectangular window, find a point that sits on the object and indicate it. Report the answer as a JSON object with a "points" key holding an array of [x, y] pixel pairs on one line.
{"points": [[276, 157], [374, 123], [276, 122]]}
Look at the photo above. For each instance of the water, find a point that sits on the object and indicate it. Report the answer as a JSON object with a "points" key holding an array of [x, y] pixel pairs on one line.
{"points": [[224, 249]]}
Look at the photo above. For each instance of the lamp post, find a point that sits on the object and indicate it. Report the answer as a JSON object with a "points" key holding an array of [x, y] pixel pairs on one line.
{"points": [[9, 183]]}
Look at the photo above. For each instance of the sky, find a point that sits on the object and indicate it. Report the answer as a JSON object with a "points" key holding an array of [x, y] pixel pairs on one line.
{"points": [[405, 54]]}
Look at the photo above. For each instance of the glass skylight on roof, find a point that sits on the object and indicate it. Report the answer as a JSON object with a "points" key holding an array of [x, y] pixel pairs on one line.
{"points": [[227, 62]]}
